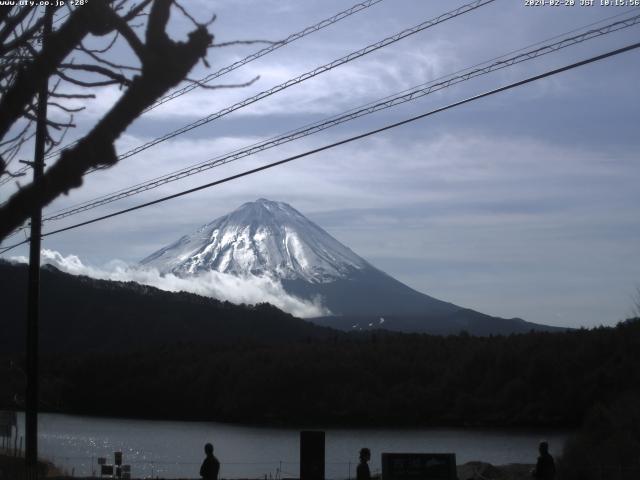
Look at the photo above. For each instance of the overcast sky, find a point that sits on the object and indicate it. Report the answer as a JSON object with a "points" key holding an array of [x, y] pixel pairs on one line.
{"points": [[525, 204]]}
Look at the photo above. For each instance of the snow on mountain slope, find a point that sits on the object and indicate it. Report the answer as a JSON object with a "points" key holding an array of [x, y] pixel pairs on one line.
{"points": [[272, 239], [260, 238]]}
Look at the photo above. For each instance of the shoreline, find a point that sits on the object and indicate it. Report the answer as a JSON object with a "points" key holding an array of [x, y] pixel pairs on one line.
{"points": [[12, 467], [177, 454], [409, 427]]}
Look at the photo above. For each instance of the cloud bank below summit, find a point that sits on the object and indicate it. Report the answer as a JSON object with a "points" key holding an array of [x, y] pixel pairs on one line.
{"points": [[248, 289]]}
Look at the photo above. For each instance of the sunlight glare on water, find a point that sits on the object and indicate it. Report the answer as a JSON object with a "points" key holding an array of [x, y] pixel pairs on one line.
{"points": [[175, 449]]}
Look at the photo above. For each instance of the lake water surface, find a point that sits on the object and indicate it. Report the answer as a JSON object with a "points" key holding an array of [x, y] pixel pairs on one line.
{"points": [[175, 449]]}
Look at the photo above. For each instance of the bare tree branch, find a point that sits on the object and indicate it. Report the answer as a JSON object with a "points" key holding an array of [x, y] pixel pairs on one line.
{"points": [[83, 83], [107, 62], [135, 11], [60, 139], [26, 36], [101, 50], [165, 64], [11, 22], [71, 95], [187, 14], [64, 108], [243, 42], [51, 123], [223, 86], [4, 13], [97, 69], [60, 44], [130, 36], [16, 137]]}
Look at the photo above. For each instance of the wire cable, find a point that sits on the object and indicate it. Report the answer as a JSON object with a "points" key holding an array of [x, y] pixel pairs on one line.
{"points": [[306, 76], [249, 58], [18, 173], [319, 70], [152, 182], [369, 133], [387, 102], [260, 53]]}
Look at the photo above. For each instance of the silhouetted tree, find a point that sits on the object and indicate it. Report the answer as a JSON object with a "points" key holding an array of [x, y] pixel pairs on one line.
{"points": [[65, 60]]}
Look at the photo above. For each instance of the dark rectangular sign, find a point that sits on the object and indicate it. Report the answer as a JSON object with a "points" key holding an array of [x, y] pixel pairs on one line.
{"points": [[312, 455], [106, 470], [419, 466]]}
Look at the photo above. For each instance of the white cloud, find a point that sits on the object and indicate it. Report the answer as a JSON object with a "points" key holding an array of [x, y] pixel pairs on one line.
{"points": [[249, 289], [353, 84], [548, 170]]}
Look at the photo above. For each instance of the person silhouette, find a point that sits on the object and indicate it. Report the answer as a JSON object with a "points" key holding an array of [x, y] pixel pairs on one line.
{"points": [[362, 472], [210, 466], [545, 467]]}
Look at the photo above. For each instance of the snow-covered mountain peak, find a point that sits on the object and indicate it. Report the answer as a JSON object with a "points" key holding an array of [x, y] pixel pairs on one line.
{"points": [[260, 238]]}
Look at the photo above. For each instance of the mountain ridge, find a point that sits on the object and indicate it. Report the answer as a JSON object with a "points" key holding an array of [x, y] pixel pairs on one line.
{"points": [[271, 238], [261, 237], [84, 314]]}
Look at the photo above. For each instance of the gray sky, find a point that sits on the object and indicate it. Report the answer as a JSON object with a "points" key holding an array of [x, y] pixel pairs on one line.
{"points": [[522, 204]]}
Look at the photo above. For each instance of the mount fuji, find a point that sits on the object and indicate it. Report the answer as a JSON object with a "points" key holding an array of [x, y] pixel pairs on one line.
{"points": [[267, 238]]}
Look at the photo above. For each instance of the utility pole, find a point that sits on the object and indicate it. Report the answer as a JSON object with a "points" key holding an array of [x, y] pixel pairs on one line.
{"points": [[33, 298]]}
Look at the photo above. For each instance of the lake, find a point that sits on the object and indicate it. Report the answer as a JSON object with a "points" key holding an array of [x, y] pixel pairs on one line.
{"points": [[175, 449]]}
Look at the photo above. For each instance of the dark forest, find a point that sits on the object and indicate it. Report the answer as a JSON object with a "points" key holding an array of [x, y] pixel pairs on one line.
{"points": [[535, 379]]}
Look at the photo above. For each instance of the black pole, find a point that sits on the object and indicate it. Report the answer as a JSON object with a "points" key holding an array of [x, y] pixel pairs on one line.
{"points": [[33, 299]]}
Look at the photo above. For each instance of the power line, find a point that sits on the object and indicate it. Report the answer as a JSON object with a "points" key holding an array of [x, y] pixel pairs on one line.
{"points": [[249, 58], [345, 141], [157, 181], [17, 173], [319, 70], [388, 102], [260, 53], [310, 74]]}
